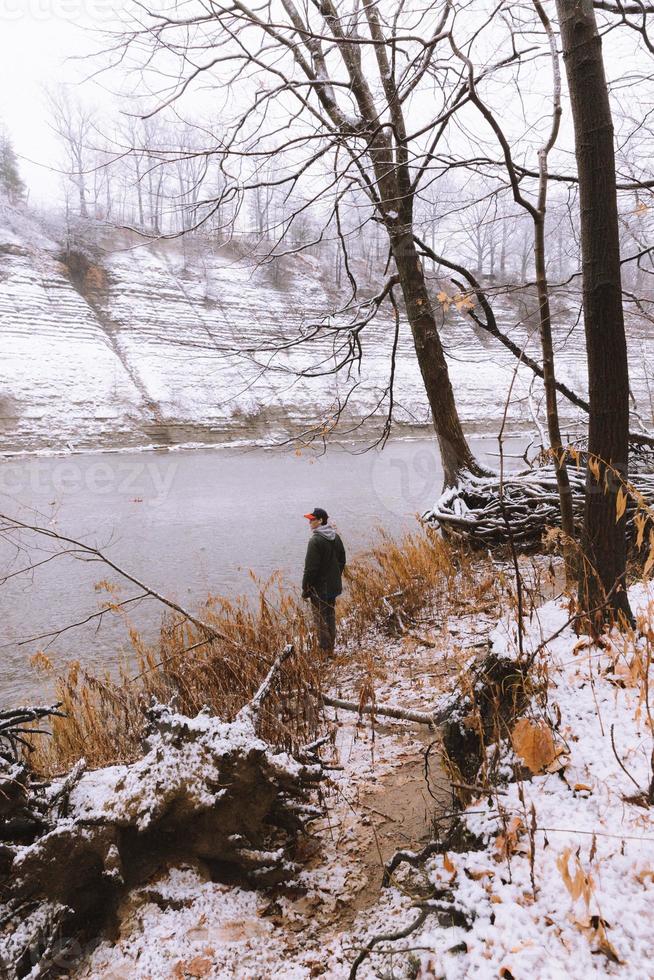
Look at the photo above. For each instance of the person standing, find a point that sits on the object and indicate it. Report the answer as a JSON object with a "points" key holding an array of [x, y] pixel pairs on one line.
{"points": [[322, 582]]}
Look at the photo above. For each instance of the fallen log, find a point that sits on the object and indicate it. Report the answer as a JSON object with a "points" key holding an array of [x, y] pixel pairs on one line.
{"points": [[385, 711], [487, 511], [205, 792]]}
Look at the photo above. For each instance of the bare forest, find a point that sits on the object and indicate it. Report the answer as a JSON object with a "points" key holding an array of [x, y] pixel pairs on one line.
{"points": [[391, 258]]}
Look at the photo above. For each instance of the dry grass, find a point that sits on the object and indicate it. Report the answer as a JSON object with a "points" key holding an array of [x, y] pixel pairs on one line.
{"points": [[392, 583], [105, 713], [386, 587]]}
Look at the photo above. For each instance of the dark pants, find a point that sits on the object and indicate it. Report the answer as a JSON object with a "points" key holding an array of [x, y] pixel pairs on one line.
{"points": [[324, 619]]}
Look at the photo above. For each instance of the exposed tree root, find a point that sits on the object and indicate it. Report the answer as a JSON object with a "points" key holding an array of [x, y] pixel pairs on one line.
{"points": [[205, 791], [474, 507]]}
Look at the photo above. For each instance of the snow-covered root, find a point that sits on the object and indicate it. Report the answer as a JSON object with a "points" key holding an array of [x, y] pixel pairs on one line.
{"points": [[205, 791], [488, 512]]}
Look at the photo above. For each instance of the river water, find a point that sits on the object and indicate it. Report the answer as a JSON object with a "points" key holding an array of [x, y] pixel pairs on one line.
{"points": [[187, 523]]}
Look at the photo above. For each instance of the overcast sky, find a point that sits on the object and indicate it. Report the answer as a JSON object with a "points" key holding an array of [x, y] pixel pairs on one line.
{"points": [[40, 42], [43, 42]]}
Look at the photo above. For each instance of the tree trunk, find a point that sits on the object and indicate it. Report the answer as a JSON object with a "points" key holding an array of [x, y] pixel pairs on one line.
{"points": [[603, 542], [545, 315], [455, 452], [549, 381], [139, 193], [81, 192], [503, 250]]}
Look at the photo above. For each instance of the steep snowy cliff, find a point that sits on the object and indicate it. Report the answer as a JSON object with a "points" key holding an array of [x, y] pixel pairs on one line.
{"points": [[123, 343]]}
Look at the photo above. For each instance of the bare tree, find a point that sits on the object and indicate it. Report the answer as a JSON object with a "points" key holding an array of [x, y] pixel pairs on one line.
{"points": [[537, 212], [330, 94], [73, 123]]}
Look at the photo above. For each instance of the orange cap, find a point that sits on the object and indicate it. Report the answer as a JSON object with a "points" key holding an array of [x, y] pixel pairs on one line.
{"points": [[310, 517]]}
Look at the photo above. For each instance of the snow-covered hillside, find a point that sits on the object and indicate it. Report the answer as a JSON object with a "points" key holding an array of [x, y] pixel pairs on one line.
{"points": [[135, 345]]}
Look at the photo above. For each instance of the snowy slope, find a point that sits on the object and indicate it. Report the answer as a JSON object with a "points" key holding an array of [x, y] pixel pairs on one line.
{"points": [[60, 380], [141, 348]]}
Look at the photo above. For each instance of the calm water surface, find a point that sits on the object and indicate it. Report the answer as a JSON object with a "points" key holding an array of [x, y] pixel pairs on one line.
{"points": [[187, 523]]}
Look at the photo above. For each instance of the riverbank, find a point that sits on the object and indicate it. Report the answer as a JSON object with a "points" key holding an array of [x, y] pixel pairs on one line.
{"points": [[386, 789], [552, 875], [550, 871]]}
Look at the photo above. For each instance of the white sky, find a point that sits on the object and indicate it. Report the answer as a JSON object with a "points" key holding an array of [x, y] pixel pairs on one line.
{"points": [[41, 44], [40, 41]]}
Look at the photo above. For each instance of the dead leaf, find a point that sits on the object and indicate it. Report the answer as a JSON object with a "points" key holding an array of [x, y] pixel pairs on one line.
{"points": [[478, 875], [533, 742], [506, 844], [579, 884], [520, 946], [558, 763], [449, 866], [604, 945], [620, 504], [581, 644], [463, 302], [199, 966], [582, 787]]}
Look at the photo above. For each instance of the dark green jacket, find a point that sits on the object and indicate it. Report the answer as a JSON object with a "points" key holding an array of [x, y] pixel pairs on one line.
{"points": [[323, 565]]}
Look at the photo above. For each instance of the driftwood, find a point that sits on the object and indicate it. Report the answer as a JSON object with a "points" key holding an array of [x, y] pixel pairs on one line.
{"points": [[23, 808], [205, 791], [474, 508], [385, 711]]}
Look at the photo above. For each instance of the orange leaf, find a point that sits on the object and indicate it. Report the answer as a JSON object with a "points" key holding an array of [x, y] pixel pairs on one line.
{"points": [[533, 742], [593, 466], [478, 875], [506, 843], [620, 504], [579, 885], [200, 966], [605, 946], [449, 866]]}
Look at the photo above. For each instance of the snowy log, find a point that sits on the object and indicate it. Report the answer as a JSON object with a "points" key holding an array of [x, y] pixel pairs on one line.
{"points": [[206, 791], [383, 710], [483, 509]]}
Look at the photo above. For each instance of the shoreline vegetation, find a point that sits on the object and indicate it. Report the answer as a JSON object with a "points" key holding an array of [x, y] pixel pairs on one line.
{"points": [[430, 647], [386, 588]]}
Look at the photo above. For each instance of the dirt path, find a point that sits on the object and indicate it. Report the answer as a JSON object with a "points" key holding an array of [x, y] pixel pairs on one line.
{"points": [[378, 800]]}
